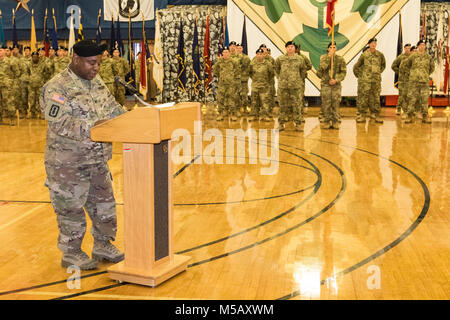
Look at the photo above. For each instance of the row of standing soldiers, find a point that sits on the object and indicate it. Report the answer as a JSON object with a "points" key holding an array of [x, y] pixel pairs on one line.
{"points": [[234, 69], [22, 77]]}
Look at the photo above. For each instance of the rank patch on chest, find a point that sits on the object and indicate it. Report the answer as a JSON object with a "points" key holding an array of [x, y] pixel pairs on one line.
{"points": [[53, 112], [57, 98]]}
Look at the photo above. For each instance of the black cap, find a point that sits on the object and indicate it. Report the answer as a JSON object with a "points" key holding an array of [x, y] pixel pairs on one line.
{"points": [[226, 48], [372, 40], [289, 43], [260, 50], [407, 45], [334, 43], [87, 48]]}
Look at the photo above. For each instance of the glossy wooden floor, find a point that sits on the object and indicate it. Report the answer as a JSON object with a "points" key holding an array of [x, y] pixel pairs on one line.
{"points": [[356, 213]]}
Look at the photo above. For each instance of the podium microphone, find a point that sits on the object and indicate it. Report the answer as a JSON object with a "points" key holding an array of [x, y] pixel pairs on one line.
{"points": [[132, 89]]}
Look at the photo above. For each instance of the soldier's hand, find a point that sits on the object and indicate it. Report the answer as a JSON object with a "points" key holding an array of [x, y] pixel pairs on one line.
{"points": [[332, 82]]}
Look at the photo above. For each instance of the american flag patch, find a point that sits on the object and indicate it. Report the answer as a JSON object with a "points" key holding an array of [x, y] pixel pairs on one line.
{"points": [[57, 98]]}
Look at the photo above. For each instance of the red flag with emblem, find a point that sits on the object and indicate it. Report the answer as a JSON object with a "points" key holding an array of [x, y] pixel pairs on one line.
{"points": [[330, 15]]}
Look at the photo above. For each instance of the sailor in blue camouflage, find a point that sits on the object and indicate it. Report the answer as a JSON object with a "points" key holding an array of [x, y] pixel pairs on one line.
{"points": [[78, 176]]}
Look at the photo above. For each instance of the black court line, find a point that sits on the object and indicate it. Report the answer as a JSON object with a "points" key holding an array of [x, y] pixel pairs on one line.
{"points": [[391, 245], [343, 187]]}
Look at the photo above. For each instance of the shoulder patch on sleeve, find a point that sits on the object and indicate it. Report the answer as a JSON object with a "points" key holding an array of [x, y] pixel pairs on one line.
{"points": [[58, 98]]}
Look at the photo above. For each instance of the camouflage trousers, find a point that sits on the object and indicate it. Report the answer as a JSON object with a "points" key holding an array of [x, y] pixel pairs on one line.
{"points": [[22, 104], [331, 99], [33, 100], [369, 97], [244, 94], [418, 94], [403, 96], [273, 93], [73, 189], [301, 97], [261, 100], [289, 105], [7, 108], [228, 98]]}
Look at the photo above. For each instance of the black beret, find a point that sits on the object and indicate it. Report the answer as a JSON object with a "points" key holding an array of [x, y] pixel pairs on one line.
{"points": [[413, 48], [372, 40], [289, 43], [407, 45], [87, 48], [420, 41], [263, 46], [233, 43], [260, 50], [225, 48], [27, 47], [34, 53], [334, 43]]}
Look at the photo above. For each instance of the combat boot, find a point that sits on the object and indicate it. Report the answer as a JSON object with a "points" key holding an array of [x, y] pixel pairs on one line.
{"points": [[105, 250], [335, 125], [426, 119], [360, 118], [79, 259], [409, 119], [219, 118], [378, 119]]}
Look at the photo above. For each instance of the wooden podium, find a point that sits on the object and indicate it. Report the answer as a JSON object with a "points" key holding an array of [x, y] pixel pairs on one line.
{"points": [[147, 173]]}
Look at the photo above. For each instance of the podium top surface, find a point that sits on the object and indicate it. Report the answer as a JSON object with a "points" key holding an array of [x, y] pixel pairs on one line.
{"points": [[148, 124]]}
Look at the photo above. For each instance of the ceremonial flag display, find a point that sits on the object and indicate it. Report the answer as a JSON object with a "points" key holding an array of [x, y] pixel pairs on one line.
{"points": [[158, 68], [135, 10], [2, 32], [180, 57], [207, 58], [330, 16], [143, 66], [98, 33], [244, 38], [46, 35], [80, 30], [71, 34], [399, 45], [196, 59], [55, 33], [14, 35], [33, 33]]}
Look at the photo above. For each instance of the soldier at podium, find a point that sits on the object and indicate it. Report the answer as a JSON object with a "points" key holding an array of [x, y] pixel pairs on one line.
{"points": [[78, 176]]}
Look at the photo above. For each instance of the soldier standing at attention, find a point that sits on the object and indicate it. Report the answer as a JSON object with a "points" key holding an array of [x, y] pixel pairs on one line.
{"points": [[421, 66], [36, 81], [21, 91], [396, 68], [245, 66], [304, 76], [331, 88], [227, 70], [261, 71], [121, 68], [107, 72], [62, 61], [7, 73], [289, 69], [371, 63], [357, 73], [78, 176]]}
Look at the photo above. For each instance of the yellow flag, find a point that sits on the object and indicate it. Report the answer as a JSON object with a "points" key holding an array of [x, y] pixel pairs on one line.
{"points": [[33, 33]]}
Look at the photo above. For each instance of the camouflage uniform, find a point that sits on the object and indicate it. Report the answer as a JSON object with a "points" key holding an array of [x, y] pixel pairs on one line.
{"points": [[22, 105], [272, 85], [245, 66], [421, 67], [331, 94], [228, 73], [371, 65], [7, 73], [302, 89], [290, 71], [61, 63], [401, 88], [261, 73], [77, 173], [107, 73], [403, 85], [121, 67], [35, 84], [16, 84]]}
